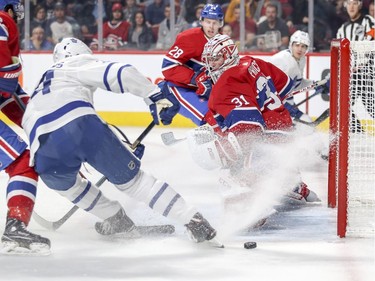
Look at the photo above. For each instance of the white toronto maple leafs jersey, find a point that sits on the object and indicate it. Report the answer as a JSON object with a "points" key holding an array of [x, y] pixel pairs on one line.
{"points": [[65, 92], [293, 68]]}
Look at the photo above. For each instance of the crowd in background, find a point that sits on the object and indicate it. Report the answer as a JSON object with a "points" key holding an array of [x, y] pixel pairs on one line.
{"points": [[145, 25]]}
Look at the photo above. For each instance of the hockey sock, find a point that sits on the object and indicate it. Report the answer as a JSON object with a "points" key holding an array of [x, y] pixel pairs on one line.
{"points": [[21, 189]]}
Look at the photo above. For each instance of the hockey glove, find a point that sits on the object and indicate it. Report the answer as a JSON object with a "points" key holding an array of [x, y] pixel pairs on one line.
{"points": [[139, 151], [9, 76], [203, 82], [204, 85], [293, 110], [164, 106], [324, 89]]}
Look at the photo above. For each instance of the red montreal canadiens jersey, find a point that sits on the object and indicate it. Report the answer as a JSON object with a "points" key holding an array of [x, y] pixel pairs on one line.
{"points": [[184, 57], [9, 39], [120, 29], [249, 97]]}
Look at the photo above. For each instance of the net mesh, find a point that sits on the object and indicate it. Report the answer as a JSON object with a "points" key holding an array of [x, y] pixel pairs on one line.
{"points": [[361, 156]]}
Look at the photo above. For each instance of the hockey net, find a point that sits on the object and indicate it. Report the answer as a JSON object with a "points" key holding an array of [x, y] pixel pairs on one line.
{"points": [[351, 179]]}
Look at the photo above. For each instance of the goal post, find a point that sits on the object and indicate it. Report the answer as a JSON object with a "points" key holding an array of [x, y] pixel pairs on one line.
{"points": [[351, 168]]}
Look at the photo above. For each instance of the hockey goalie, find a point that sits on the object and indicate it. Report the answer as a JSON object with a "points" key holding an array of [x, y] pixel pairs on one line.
{"points": [[250, 131]]}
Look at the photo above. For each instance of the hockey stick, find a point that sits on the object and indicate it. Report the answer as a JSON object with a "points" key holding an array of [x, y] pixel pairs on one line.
{"points": [[57, 224], [308, 98], [317, 121], [307, 88], [54, 225], [169, 139], [19, 102]]}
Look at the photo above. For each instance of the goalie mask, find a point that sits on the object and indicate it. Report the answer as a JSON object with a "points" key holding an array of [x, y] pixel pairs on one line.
{"points": [[15, 5], [219, 54], [69, 47]]}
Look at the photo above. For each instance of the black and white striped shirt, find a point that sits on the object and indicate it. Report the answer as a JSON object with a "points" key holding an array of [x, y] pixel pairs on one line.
{"points": [[357, 30]]}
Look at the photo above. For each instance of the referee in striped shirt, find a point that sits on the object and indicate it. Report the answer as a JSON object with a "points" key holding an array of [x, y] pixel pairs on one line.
{"points": [[359, 27]]}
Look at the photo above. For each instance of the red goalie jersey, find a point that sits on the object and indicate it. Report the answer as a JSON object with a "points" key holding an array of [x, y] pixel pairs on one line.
{"points": [[248, 97]]}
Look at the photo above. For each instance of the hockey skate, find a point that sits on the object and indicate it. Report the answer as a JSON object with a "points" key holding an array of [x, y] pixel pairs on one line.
{"points": [[18, 240], [199, 229], [118, 223]]}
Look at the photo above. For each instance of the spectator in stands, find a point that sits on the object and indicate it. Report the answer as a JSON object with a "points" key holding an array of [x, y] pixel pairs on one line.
{"points": [[261, 7], [37, 41], [273, 33], [165, 36], [154, 13], [49, 7], [140, 35], [115, 31], [190, 7], [227, 30], [250, 28], [198, 10], [371, 9], [326, 21], [61, 26], [131, 7], [40, 17], [250, 6], [84, 14]]}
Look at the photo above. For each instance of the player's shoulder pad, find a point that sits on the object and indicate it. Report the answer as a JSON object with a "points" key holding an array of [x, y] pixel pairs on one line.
{"points": [[191, 33]]}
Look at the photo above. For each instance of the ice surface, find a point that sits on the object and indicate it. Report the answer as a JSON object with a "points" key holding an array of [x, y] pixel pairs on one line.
{"points": [[293, 245]]}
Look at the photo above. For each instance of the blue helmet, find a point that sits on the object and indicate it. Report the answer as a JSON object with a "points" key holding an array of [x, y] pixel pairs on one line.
{"points": [[212, 11], [17, 7]]}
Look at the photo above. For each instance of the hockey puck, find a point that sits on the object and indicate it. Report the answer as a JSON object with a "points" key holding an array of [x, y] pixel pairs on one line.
{"points": [[250, 245]]}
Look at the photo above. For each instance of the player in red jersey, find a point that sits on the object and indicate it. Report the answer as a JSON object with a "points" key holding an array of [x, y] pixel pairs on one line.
{"points": [[247, 104], [183, 68], [14, 155]]}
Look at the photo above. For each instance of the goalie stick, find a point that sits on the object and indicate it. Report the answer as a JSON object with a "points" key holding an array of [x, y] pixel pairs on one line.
{"points": [[169, 138], [54, 225]]}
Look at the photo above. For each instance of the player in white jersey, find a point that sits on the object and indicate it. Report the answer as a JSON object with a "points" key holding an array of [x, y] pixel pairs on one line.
{"points": [[65, 131], [293, 61]]}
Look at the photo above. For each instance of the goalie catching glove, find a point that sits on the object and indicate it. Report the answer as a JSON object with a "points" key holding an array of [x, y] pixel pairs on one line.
{"points": [[163, 105]]}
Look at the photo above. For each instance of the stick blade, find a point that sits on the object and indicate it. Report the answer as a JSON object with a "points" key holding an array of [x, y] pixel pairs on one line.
{"points": [[169, 139]]}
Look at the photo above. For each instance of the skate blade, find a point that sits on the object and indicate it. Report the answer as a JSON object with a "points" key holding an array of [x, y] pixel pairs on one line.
{"points": [[36, 249], [215, 243]]}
